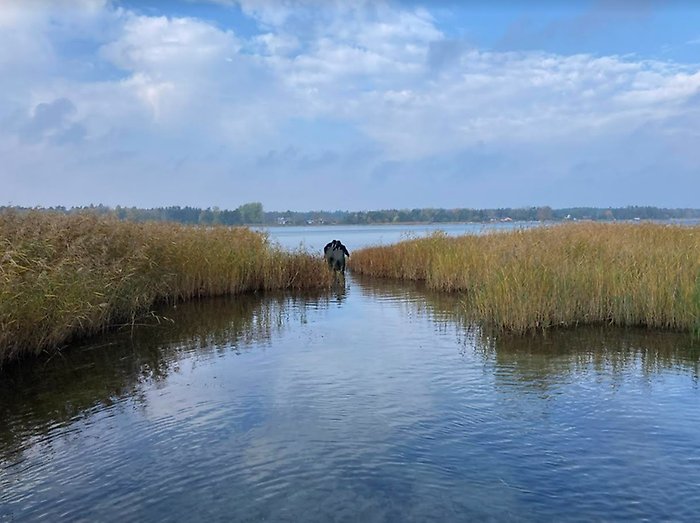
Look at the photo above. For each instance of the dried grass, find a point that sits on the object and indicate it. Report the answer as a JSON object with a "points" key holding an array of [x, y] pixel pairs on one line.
{"points": [[64, 277], [623, 274]]}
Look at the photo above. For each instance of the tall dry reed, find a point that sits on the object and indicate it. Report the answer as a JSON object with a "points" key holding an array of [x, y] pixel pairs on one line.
{"points": [[623, 274], [63, 277]]}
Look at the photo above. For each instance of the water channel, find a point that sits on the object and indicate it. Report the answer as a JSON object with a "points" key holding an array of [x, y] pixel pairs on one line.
{"points": [[374, 402]]}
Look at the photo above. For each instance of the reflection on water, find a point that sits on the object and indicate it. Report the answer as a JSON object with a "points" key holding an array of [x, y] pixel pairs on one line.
{"points": [[374, 401], [554, 352], [117, 366]]}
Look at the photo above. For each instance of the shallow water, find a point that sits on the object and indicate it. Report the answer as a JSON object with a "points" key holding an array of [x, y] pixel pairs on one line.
{"points": [[375, 402]]}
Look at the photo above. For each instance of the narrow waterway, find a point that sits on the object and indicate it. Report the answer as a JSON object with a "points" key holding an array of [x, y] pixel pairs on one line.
{"points": [[374, 402]]}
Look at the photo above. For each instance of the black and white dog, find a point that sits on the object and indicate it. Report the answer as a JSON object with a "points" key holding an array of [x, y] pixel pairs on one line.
{"points": [[335, 253]]}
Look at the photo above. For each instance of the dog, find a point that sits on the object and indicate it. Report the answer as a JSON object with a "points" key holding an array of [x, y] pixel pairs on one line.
{"points": [[335, 253]]}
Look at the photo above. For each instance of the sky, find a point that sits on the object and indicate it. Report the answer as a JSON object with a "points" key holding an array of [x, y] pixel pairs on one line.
{"points": [[350, 105]]}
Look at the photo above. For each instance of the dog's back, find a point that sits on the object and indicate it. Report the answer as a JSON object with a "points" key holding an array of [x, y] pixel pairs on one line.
{"points": [[335, 253]]}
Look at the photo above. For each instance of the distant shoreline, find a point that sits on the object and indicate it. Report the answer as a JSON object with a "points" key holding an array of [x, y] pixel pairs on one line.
{"points": [[253, 214], [497, 222]]}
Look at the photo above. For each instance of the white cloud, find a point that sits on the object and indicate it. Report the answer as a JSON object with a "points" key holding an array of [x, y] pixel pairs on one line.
{"points": [[172, 63], [276, 44], [173, 46], [16, 13], [168, 86], [276, 13]]}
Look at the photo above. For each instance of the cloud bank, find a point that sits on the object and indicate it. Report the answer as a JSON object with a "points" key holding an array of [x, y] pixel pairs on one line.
{"points": [[328, 105]]}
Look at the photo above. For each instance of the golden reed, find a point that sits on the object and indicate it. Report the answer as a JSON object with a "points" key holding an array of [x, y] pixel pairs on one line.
{"points": [[621, 274], [65, 277]]}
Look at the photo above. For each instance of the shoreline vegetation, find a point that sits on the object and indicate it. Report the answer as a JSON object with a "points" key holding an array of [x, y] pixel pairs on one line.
{"points": [[68, 276], [526, 280], [254, 214]]}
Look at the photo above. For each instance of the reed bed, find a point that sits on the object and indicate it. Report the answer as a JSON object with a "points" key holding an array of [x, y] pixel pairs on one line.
{"points": [[523, 280], [65, 277]]}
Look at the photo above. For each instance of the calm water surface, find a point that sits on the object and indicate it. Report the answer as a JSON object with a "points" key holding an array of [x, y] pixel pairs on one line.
{"points": [[372, 403], [313, 238]]}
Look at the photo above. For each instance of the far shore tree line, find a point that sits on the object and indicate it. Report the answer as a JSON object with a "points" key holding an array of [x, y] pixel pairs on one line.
{"points": [[254, 214]]}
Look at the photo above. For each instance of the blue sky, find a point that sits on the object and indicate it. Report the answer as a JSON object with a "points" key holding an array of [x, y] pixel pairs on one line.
{"points": [[311, 104]]}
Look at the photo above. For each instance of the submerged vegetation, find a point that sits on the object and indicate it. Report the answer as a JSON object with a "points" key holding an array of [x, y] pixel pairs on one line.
{"points": [[67, 276], [623, 274]]}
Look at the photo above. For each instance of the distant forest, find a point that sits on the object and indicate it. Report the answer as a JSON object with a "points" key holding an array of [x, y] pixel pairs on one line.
{"points": [[253, 214]]}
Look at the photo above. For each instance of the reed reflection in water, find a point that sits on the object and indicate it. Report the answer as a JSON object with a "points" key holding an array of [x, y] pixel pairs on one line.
{"points": [[376, 401]]}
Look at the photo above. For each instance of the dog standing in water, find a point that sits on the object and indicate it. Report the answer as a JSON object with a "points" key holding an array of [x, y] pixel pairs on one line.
{"points": [[335, 253]]}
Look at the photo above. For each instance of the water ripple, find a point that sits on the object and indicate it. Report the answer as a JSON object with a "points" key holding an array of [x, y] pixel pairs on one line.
{"points": [[379, 407]]}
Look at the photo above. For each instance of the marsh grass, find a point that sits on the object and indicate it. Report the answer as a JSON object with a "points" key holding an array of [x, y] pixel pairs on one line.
{"points": [[523, 280], [65, 277]]}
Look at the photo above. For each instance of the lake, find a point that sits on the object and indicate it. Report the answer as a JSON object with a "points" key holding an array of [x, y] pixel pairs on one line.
{"points": [[376, 401], [313, 238]]}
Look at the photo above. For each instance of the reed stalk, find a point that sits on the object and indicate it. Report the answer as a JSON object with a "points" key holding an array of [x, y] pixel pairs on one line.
{"points": [[65, 277], [522, 280]]}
